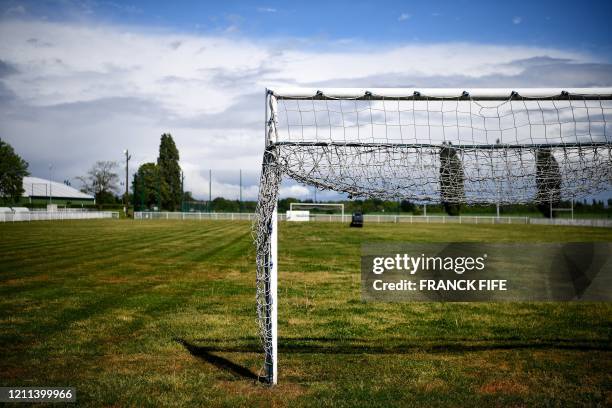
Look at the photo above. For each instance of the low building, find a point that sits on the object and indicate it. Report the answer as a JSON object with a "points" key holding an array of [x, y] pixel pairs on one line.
{"points": [[42, 191]]}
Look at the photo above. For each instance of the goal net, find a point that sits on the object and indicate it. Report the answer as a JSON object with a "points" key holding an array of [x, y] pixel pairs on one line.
{"points": [[338, 207], [442, 145]]}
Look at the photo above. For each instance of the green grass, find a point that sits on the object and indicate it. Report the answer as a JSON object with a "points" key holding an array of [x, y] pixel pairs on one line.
{"points": [[161, 313]]}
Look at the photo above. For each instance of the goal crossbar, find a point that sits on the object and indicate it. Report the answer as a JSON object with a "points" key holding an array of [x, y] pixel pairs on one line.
{"points": [[441, 93], [496, 146]]}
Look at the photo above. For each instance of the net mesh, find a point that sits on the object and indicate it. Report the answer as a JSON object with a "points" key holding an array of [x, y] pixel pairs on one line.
{"points": [[393, 149], [423, 149], [262, 232]]}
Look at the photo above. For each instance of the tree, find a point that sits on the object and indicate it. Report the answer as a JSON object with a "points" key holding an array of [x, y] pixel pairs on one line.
{"points": [[147, 186], [220, 204], [101, 181], [548, 181], [451, 179], [12, 171], [285, 203], [188, 196], [170, 171], [406, 206]]}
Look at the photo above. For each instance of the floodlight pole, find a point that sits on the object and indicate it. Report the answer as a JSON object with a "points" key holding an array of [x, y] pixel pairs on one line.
{"points": [[159, 208], [182, 191], [142, 194], [209, 189], [50, 184], [127, 197]]}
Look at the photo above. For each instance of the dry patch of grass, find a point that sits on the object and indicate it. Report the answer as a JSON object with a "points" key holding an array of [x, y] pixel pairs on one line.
{"points": [[510, 387]]}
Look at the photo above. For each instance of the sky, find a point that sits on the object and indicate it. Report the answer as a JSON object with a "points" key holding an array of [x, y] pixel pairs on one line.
{"points": [[82, 81]]}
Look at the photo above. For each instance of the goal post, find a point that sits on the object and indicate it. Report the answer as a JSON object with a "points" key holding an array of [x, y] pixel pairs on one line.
{"points": [[455, 146]]}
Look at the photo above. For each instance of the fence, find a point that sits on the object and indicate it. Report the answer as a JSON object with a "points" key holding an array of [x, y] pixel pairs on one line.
{"points": [[603, 222], [55, 215], [409, 219], [155, 215]]}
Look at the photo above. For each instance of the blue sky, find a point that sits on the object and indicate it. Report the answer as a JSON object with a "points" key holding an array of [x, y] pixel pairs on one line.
{"points": [[81, 81], [560, 23]]}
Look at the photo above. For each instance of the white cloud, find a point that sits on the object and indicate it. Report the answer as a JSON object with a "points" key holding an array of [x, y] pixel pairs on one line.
{"points": [[93, 90], [296, 191], [266, 9], [517, 20], [16, 10], [404, 17]]}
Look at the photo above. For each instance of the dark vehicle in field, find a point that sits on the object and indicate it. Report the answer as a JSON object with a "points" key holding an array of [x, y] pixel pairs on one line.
{"points": [[357, 220]]}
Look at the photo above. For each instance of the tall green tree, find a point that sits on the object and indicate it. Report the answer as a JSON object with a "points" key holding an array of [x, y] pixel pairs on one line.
{"points": [[12, 171], [548, 181], [170, 171], [147, 186], [451, 179]]}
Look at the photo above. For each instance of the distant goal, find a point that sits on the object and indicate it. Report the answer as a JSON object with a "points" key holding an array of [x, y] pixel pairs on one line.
{"points": [[294, 207], [445, 145]]}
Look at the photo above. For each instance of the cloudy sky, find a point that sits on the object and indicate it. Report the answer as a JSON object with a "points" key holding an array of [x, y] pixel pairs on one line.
{"points": [[81, 81]]}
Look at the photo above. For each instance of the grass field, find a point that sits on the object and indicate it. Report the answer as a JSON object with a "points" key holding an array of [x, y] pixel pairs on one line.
{"points": [[162, 313]]}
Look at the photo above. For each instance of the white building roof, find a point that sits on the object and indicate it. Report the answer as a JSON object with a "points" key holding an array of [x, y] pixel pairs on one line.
{"points": [[38, 187]]}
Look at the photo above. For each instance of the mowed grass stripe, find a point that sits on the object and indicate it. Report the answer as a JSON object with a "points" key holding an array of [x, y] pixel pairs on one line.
{"points": [[170, 236], [45, 237], [92, 252], [111, 321]]}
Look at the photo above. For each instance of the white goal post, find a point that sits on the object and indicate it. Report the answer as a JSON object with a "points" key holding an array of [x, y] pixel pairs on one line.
{"points": [[455, 146]]}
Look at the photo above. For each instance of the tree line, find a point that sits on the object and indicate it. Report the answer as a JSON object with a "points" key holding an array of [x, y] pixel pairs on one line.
{"points": [[159, 185], [160, 182], [378, 206]]}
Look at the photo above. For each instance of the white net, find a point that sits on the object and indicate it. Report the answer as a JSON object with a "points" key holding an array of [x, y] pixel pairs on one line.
{"points": [[390, 148], [484, 146], [262, 232]]}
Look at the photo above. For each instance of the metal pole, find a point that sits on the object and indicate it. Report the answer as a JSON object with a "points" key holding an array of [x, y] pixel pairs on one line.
{"points": [[273, 373], [127, 197], [209, 189], [550, 215], [240, 203], [142, 193], [158, 190], [182, 191], [572, 206], [272, 273], [50, 185]]}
